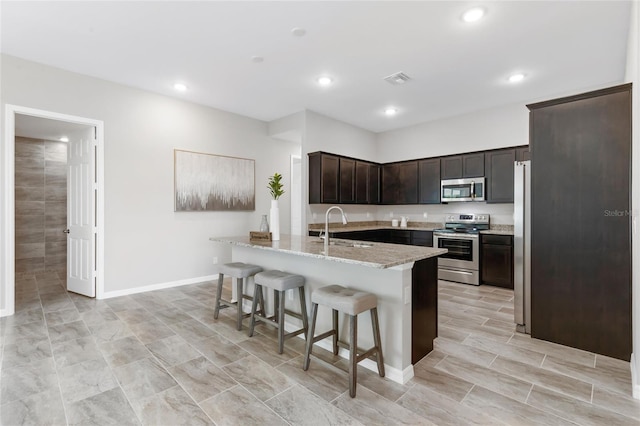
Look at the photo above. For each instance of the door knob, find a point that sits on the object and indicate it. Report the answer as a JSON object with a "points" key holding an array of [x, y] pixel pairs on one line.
{"points": [[66, 231]]}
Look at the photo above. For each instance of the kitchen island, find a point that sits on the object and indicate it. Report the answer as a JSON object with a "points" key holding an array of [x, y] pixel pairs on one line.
{"points": [[404, 278]]}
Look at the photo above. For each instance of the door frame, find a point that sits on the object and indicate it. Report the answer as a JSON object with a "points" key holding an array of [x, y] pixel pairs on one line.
{"points": [[7, 224], [296, 159]]}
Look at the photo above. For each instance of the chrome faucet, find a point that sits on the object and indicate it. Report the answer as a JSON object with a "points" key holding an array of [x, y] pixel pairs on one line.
{"points": [[326, 227]]}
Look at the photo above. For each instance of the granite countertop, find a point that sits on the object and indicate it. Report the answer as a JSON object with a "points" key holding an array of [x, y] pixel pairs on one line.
{"points": [[370, 254], [411, 226], [375, 225]]}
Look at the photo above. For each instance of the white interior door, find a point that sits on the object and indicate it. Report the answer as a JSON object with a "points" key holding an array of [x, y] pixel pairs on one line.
{"points": [[81, 209]]}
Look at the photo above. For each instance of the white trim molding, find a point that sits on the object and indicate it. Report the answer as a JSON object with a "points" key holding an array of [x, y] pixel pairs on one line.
{"points": [[7, 223], [158, 286], [635, 386]]}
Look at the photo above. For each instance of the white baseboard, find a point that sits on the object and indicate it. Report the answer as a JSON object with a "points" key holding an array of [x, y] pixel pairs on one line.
{"points": [[635, 385], [159, 286], [6, 313]]}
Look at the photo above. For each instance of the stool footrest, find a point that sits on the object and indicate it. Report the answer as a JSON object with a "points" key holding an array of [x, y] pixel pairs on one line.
{"points": [[361, 353], [324, 336], [293, 314]]}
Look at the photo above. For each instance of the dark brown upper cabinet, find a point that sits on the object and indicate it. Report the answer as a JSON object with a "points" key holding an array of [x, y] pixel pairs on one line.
{"points": [[324, 178], [429, 181], [400, 183], [347, 181], [523, 153], [462, 166], [373, 187], [499, 173]]}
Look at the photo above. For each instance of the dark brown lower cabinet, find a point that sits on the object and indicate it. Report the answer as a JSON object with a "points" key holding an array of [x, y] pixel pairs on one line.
{"points": [[424, 307], [497, 260], [581, 221]]}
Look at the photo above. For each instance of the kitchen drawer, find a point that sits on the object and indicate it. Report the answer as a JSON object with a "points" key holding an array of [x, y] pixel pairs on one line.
{"points": [[497, 239]]}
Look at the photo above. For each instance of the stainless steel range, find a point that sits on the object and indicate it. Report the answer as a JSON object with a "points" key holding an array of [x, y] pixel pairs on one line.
{"points": [[461, 236]]}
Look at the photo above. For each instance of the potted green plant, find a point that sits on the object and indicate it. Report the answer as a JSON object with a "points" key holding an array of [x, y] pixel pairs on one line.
{"points": [[276, 188]]}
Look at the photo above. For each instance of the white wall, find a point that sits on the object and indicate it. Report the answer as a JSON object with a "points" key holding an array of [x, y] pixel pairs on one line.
{"points": [[146, 242], [487, 129], [323, 133], [633, 75], [493, 128]]}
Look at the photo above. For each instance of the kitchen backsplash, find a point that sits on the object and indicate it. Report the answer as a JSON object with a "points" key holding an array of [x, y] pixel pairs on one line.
{"points": [[501, 214]]}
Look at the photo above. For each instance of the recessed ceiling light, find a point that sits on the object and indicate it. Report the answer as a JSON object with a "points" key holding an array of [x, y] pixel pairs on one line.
{"points": [[180, 87], [325, 81], [64, 139], [298, 32], [390, 111], [516, 78], [473, 15], [257, 59]]}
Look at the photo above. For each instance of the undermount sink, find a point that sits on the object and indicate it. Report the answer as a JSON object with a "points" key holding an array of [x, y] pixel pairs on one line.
{"points": [[343, 243]]}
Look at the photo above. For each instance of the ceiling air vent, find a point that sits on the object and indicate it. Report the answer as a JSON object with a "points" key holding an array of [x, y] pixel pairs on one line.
{"points": [[397, 78]]}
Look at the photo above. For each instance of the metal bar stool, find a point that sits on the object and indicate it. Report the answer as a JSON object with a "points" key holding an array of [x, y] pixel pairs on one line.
{"points": [[280, 282], [239, 271], [351, 302]]}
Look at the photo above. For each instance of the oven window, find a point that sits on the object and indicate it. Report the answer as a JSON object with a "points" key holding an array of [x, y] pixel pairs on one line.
{"points": [[458, 248]]}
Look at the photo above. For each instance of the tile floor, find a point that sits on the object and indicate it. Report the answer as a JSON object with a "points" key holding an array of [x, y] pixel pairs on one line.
{"points": [[160, 358]]}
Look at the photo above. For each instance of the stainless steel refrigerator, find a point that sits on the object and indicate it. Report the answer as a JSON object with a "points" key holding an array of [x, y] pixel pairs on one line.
{"points": [[522, 246]]}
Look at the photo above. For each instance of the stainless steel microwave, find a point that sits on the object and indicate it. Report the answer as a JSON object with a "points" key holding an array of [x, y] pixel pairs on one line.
{"points": [[470, 189]]}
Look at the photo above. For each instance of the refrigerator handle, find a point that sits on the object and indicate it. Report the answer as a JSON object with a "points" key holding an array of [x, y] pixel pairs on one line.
{"points": [[518, 242]]}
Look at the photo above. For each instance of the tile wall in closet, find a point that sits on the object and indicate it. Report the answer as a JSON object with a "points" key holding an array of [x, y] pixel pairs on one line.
{"points": [[41, 205]]}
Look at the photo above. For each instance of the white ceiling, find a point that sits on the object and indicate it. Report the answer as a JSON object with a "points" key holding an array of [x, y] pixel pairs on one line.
{"points": [[564, 47]]}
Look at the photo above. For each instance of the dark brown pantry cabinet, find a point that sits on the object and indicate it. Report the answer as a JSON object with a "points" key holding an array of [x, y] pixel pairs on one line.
{"points": [[580, 226]]}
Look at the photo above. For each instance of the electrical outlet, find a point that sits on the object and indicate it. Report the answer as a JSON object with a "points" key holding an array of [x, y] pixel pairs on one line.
{"points": [[425, 215], [391, 214], [215, 260], [407, 295]]}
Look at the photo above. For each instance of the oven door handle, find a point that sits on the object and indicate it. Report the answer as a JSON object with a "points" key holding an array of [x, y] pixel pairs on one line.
{"points": [[457, 271]]}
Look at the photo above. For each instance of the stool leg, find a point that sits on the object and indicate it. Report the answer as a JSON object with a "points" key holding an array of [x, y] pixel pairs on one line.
{"points": [[335, 334], [376, 341], [303, 311], [263, 312], [239, 288], [353, 352], [281, 323], [216, 310], [276, 306], [254, 305], [312, 328]]}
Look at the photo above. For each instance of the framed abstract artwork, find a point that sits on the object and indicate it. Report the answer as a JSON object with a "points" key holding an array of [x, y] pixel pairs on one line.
{"points": [[207, 182]]}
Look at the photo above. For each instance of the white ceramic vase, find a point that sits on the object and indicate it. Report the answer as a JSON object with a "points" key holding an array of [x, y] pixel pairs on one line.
{"points": [[274, 225]]}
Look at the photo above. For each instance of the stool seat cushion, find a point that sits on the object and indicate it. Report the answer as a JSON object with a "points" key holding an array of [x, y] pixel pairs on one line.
{"points": [[239, 269], [343, 299], [279, 280]]}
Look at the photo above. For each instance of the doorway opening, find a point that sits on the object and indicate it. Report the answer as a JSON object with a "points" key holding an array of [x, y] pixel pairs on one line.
{"points": [[53, 218]]}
